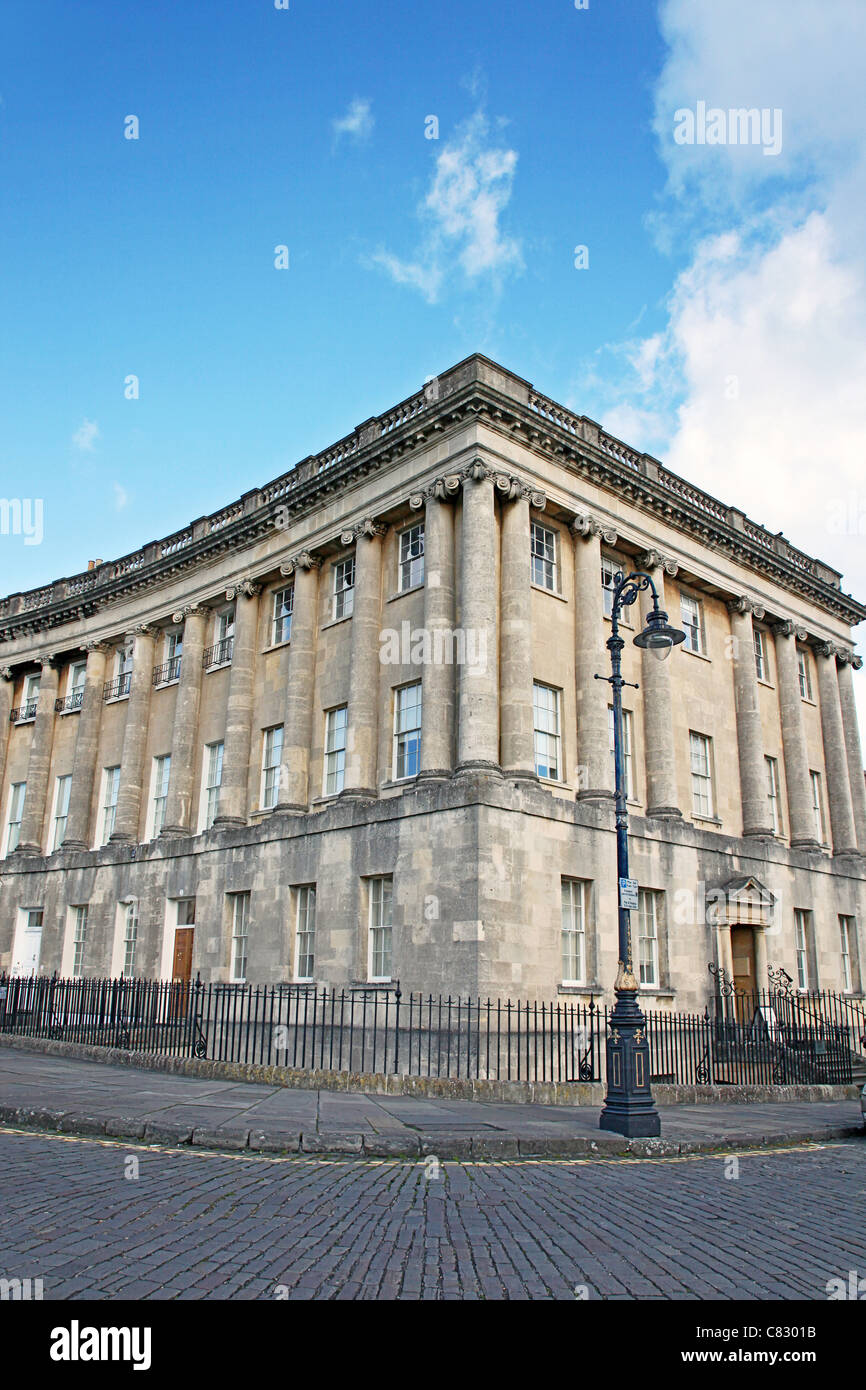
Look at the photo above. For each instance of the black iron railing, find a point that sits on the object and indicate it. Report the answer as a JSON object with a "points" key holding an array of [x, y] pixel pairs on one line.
{"points": [[766, 1039], [21, 713], [114, 690], [69, 702], [219, 654], [168, 671]]}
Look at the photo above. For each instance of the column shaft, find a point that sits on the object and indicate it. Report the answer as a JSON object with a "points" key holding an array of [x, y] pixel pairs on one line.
{"points": [[518, 753], [801, 818], [478, 684], [78, 834], [294, 792], [835, 755], [363, 712], [178, 803], [7, 691], [660, 745], [437, 676], [36, 795], [595, 777], [854, 749], [750, 738], [126, 823], [232, 807]]}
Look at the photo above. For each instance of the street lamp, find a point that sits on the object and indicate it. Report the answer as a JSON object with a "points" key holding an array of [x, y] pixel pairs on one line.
{"points": [[629, 1108]]}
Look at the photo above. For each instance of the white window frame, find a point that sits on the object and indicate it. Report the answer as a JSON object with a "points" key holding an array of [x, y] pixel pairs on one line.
{"points": [[802, 928], [78, 939], [14, 815], [547, 739], [649, 976], [610, 568], [240, 938], [60, 810], [627, 750], [160, 776], [818, 806], [76, 677], [282, 612], [336, 735], [804, 674], [129, 940], [108, 803], [774, 794], [343, 592], [762, 655], [305, 932], [693, 625], [846, 925], [544, 557], [272, 757], [574, 895], [411, 558], [380, 946], [408, 715], [210, 790], [703, 781]]}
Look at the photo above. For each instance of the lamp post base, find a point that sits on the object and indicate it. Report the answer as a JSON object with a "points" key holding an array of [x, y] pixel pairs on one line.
{"points": [[629, 1108]]}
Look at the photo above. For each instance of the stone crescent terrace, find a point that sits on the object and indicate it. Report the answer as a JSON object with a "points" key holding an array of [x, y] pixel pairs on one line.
{"points": [[347, 730]]}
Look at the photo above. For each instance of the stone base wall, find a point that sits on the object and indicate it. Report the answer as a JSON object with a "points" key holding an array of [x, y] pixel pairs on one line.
{"points": [[477, 862]]}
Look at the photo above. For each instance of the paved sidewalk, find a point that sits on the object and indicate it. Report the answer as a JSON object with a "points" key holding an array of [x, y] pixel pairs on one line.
{"points": [[93, 1098]]}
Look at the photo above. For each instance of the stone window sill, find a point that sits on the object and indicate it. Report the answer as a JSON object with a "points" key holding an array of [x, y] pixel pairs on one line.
{"points": [[274, 647], [623, 622], [701, 656], [579, 989], [335, 622], [551, 593], [116, 700], [706, 820], [401, 593], [768, 685], [220, 666], [163, 685]]}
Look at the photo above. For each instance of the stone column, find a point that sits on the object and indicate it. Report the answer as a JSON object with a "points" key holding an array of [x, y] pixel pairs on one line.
{"points": [[437, 675], [852, 743], [801, 817], [132, 774], [178, 802], [660, 741], [7, 690], [726, 954], [363, 711], [478, 684], [78, 834], [835, 753], [232, 807], [35, 797], [515, 656], [761, 962], [750, 738], [294, 788], [595, 778]]}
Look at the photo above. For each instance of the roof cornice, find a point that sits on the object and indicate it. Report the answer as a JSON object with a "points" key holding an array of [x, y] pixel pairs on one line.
{"points": [[476, 389]]}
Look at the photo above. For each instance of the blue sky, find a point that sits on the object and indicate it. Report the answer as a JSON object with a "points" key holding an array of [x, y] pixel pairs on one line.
{"points": [[306, 127]]}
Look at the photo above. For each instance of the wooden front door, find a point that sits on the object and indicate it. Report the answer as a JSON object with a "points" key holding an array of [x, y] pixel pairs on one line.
{"points": [[181, 967], [743, 954]]}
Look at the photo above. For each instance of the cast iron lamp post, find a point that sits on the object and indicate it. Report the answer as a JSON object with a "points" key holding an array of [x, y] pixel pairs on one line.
{"points": [[628, 1105]]}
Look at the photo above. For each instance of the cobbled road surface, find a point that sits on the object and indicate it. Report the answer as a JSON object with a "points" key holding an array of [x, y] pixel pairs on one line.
{"points": [[109, 1220]]}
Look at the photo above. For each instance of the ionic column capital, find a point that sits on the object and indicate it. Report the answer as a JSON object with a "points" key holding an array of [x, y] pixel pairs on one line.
{"points": [[141, 630], [7, 673], [476, 472], [857, 662], [829, 650], [302, 561], [585, 527], [845, 657], [787, 628], [653, 559], [513, 489], [244, 588], [103, 647], [190, 610], [745, 606], [368, 527]]}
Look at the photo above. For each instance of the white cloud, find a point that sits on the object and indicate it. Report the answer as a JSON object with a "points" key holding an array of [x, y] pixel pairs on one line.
{"points": [[469, 190], [86, 436], [357, 123], [121, 497]]}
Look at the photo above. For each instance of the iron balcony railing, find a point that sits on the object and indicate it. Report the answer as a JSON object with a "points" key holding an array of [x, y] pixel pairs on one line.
{"points": [[220, 654], [379, 1030], [116, 689], [69, 702], [166, 673], [22, 713]]}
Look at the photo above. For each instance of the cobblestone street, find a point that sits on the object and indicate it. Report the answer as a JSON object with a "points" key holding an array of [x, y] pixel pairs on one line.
{"points": [[99, 1219]]}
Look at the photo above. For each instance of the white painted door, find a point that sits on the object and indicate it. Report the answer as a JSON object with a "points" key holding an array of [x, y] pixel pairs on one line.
{"points": [[28, 941]]}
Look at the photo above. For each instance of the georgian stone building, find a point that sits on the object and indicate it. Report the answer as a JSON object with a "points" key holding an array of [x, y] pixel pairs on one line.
{"points": [[348, 729]]}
